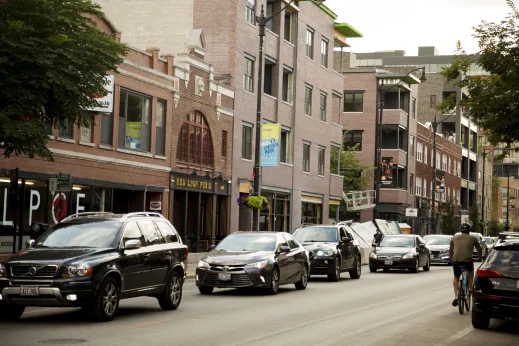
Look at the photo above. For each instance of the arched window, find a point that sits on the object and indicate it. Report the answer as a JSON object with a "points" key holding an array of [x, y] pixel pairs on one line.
{"points": [[195, 145]]}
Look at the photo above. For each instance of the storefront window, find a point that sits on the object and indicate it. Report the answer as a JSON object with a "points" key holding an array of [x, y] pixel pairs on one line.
{"points": [[311, 213], [195, 145], [134, 121]]}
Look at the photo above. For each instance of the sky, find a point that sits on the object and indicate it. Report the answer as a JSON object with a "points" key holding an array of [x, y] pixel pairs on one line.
{"points": [[408, 24]]}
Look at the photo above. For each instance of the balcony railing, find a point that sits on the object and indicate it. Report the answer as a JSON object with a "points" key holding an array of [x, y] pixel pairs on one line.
{"points": [[359, 200]]}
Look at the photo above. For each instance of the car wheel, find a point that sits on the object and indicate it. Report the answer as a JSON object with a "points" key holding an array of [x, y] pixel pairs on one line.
{"points": [[335, 273], [427, 266], [11, 312], [205, 289], [172, 294], [416, 266], [106, 302], [373, 270], [274, 282], [355, 273], [480, 320], [301, 285]]}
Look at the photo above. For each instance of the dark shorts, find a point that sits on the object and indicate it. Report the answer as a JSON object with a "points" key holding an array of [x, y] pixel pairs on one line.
{"points": [[458, 266]]}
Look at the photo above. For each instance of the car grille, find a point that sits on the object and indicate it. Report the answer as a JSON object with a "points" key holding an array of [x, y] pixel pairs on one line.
{"points": [[390, 256], [237, 280], [435, 253], [226, 268], [28, 271]]}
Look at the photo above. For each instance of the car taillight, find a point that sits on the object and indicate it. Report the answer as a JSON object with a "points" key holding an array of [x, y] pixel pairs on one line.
{"points": [[187, 251], [487, 273]]}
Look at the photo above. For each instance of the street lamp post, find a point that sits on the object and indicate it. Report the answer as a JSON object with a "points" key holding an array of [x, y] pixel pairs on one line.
{"points": [[507, 224], [262, 21], [483, 190], [381, 92], [433, 197]]}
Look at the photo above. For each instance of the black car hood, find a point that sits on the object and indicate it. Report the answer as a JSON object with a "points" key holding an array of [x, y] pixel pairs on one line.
{"points": [[394, 250], [319, 246], [43, 255], [218, 257]]}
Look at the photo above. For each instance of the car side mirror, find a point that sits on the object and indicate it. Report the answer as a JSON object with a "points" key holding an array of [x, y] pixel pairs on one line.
{"points": [[284, 249], [132, 244], [29, 243], [211, 248], [421, 246], [346, 240]]}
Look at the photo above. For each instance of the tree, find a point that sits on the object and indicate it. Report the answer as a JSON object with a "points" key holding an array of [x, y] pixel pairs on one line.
{"points": [[493, 98], [494, 228], [448, 220], [475, 216], [53, 61]]}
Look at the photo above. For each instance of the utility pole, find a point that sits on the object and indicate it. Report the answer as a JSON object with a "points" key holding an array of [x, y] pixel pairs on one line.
{"points": [[433, 211], [483, 190]]}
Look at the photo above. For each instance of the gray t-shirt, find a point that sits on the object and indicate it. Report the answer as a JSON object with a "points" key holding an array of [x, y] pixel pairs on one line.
{"points": [[462, 246]]}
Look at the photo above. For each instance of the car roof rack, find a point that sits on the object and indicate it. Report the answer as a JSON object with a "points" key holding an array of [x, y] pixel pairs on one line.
{"points": [[508, 235], [142, 214], [88, 213]]}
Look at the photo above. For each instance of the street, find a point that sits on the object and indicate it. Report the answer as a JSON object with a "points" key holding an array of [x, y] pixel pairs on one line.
{"points": [[397, 308]]}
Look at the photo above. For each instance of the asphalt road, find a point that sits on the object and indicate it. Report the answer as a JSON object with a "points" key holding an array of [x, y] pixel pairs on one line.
{"points": [[378, 309]]}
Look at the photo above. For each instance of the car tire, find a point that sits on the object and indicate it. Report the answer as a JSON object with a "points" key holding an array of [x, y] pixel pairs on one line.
{"points": [[106, 302], [11, 312], [274, 282], [205, 290], [480, 320], [335, 273], [373, 270], [427, 266], [301, 285], [416, 268], [355, 273], [171, 297]]}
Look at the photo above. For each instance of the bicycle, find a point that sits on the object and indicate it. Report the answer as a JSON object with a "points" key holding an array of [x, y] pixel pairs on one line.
{"points": [[464, 296]]}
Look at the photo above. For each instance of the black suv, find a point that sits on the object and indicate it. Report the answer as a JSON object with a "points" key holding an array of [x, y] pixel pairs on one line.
{"points": [[92, 260], [332, 250]]}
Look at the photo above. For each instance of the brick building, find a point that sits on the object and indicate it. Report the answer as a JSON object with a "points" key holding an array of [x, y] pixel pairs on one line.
{"points": [[500, 190], [128, 157]]}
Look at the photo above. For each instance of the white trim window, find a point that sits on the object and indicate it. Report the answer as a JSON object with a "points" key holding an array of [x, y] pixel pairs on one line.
{"points": [[419, 152], [418, 190], [424, 190], [425, 154], [444, 162]]}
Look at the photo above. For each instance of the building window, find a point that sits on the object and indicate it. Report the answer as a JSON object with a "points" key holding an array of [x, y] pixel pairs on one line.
{"points": [[352, 140], [134, 121], [444, 162], [308, 100], [269, 13], [224, 143], [411, 145], [310, 43], [411, 184], [67, 130], [288, 86], [290, 26], [320, 161], [306, 157], [419, 152], [107, 128], [270, 78], [418, 190], [425, 153], [335, 160], [413, 108], [285, 154], [311, 213], [424, 190], [246, 141], [195, 145], [322, 106], [160, 128], [433, 101], [324, 52], [353, 102], [248, 75], [250, 11]]}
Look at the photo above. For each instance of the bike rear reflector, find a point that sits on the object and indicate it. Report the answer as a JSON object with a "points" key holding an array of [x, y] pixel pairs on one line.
{"points": [[487, 273]]}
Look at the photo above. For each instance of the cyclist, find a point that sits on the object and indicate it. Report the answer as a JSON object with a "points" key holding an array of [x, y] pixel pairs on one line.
{"points": [[460, 251]]}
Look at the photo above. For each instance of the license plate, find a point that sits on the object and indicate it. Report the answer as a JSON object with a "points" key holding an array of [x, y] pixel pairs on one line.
{"points": [[224, 276], [29, 291], [388, 262]]}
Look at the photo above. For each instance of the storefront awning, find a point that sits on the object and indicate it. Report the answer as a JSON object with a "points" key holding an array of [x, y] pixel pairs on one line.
{"points": [[311, 199]]}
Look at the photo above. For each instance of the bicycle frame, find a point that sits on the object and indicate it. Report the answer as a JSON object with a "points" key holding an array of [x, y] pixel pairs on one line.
{"points": [[463, 292]]}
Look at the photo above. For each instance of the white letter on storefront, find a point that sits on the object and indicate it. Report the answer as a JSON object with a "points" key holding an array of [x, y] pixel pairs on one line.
{"points": [[33, 207], [6, 223], [78, 207]]}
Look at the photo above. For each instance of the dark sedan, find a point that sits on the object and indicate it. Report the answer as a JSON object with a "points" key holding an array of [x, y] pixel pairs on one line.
{"points": [[400, 252], [254, 259], [496, 285], [439, 245]]}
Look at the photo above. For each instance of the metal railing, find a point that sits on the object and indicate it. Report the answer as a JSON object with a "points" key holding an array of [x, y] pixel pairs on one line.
{"points": [[102, 213], [141, 214], [359, 200], [88, 213]]}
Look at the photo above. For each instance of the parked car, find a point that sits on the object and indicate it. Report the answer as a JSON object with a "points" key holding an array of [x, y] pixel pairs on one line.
{"points": [[496, 285], [254, 259], [439, 245], [332, 249], [406, 251], [92, 260], [490, 242]]}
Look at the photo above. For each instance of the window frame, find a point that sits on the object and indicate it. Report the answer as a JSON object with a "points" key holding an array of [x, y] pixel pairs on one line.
{"points": [[164, 126], [307, 148], [323, 105], [354, 104], [244, 144], [310, 43], [143, 116], [325, 45], [321, 158], [352, 133], [308, 99], [248, 80], [189, 157], [250, 12], [289, 72], [288, 150], [224, 143]]}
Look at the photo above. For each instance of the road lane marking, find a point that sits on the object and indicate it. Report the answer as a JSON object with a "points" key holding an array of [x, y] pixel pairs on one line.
{"points": [[459, 335], [146, 324]]}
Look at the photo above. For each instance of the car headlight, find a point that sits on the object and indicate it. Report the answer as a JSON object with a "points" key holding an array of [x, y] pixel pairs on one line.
{"points": [[257, 265], [3, 271], [325, 253], [372, 255], [78, 270], [203, 265], [409, 255]]}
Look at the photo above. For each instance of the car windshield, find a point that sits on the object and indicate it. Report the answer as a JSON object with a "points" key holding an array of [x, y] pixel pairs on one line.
{"points": [[247, 243], [489, 241], [436, 240], [92, 234], [316, 234], [397, 242]]}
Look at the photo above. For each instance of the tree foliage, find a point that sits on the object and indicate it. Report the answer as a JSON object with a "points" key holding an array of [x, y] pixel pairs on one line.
{"points": [[494, 98], [495, 227], [53, 60], [475, 217], [448, 220]]}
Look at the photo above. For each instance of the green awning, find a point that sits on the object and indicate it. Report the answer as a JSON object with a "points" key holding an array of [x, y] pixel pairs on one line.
{"points": [[347, 30]]}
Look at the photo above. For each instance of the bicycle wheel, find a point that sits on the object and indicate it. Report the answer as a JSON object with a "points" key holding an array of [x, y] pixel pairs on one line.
{"points": [[461, 297], [468, 296]]}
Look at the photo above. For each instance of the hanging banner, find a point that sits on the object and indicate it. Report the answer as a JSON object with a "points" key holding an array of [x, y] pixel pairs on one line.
{"points": [[106, 101], [133, 134], [270, 134], [387, 172]]}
